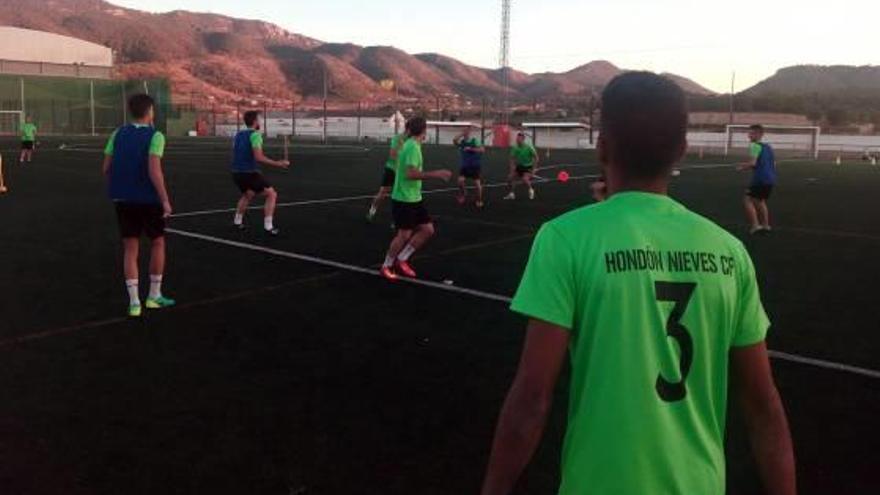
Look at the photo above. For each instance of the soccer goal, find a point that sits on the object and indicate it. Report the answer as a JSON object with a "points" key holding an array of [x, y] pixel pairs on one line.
{"points": [[796, 141], [10, 122]]}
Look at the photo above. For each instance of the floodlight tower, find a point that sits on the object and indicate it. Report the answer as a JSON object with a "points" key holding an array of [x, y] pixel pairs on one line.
{"points": [[504, 59]]}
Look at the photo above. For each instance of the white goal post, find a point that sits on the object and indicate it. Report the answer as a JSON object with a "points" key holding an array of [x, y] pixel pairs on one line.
{"points": [[782, 137], [10, 122]]}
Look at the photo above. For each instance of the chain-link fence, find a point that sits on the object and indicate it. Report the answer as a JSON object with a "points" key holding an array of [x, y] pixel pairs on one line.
{"points": [[73, 106]]}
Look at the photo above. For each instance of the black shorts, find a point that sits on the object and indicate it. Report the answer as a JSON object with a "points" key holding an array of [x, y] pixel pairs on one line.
{"points": [[470, 172], [27, 145], [250, 181], [760, 191], [137, 219], [408, 216], [388, 177], [521, 171]]}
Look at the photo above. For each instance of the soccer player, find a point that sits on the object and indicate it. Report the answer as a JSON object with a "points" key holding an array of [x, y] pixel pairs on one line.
{"points": [[471, 165], [387, 175], [657, 307], [28, 140], [133, 166], [411, 218], [523, 165], [763, 166], [247, 152]]}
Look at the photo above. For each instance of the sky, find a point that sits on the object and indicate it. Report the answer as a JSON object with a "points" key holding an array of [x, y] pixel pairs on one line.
{"points": [[706, 40]]}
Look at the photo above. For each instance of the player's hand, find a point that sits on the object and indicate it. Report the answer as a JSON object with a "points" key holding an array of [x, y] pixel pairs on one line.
{"points": [[166, 209], [444, 175], [284, 163]]}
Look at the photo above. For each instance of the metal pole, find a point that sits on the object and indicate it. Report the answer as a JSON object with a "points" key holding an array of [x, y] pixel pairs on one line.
{"points": [[359, 123], [483, 122], [237, 115], [732, 86], [124, 103], [592, 111], [21, 82], [439, 119], [396, 108], [292, 119], [266, 118], [214, 116], [92, 104], [324, 131]]}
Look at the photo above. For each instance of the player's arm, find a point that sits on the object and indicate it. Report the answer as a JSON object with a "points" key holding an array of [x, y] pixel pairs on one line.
{"points": [[413, 173], [108, 154], [154, 169], [527, 406], [261, 157], [764, 417], [754, 153]]}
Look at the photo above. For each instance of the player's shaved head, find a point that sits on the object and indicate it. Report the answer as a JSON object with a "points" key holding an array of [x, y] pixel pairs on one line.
{"points": [[644, 125], [139, 105], [416, 126], [250, 117]]}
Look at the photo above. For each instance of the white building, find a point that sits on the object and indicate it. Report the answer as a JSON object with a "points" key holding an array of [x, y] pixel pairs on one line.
{"points": [[29, 52]]}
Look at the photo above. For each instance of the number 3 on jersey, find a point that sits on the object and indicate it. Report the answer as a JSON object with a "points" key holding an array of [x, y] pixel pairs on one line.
{"points": [[680, 293]]}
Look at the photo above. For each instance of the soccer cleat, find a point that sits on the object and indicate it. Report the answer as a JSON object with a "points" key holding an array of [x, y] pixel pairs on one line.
{"points": [[480, 204], [134, 311], [531, 194], [159, 302], [510, 196], [756, 229], [388, 273], [371, 214], [407, 270], [274, 231], [239, 226]]}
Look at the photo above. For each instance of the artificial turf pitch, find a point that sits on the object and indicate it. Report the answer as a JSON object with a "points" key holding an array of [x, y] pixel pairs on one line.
{"points": [[276, 375]]}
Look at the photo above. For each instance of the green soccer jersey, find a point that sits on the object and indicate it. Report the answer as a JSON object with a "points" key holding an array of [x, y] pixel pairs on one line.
{"points": [[408, 190], [654, 296], [256, 140], [395, 145], [523, 156], [157, 143], [28, 132]]}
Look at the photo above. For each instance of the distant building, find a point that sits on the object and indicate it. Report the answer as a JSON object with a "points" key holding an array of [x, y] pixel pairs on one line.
{"points": [[36, 53]]}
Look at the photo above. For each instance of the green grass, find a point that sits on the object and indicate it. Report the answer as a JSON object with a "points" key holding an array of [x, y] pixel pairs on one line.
{"points": [[276, 375]]}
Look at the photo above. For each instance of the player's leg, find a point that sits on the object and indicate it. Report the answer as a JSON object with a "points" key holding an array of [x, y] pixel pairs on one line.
{"points": [[462, 192], [420, 236], [241, 208], [478, 182], [751, 213], [130, 247], [377, 201], [763, 214], [511, 180], [269, 210], [400, 240], [23, 153], [527, 178], [155, 230]]}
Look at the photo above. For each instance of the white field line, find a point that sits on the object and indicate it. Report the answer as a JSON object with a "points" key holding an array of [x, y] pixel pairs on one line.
{"points": [[783, 356]]}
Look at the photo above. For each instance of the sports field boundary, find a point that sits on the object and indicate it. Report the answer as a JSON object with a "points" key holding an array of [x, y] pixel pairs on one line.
{"points": [[489, 296]]}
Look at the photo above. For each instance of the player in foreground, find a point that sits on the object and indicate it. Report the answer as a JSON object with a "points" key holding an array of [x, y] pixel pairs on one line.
{"points": [[133, 166], [387, 175], [523, 165], [411, 218], [28, 140], [471, 165], [247, 152], [657, 308], [763, 166]]}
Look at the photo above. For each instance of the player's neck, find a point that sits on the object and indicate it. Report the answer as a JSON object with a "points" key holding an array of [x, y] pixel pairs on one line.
{"points": [[652, 186], [141, 122]]}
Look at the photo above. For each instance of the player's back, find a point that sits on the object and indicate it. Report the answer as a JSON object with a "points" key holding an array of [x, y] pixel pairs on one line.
{"points": [[243, 152], [656, 297]]}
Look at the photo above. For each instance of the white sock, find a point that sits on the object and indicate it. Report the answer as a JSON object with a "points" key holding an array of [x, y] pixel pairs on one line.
{"points": [[155, 286], [389, 262], [406, 253], [239, 218], [132, 287], [267, 223]]}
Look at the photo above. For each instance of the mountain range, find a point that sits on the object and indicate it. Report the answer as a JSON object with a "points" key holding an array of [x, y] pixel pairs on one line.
{"points": [[229, 58]]}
